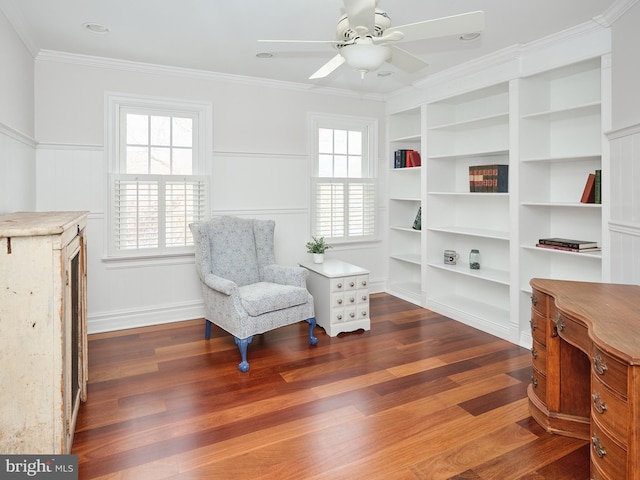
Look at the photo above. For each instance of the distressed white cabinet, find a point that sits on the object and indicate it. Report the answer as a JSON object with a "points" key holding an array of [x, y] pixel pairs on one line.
{"points": [[43, 342], [340, 296]]}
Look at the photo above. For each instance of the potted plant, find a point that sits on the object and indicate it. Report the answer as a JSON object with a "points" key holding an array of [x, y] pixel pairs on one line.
{"points": [[317, 246]]}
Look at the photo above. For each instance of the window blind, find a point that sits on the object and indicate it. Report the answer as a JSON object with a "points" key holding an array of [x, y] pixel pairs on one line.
{"points": [[153, 212], [344, 208]]}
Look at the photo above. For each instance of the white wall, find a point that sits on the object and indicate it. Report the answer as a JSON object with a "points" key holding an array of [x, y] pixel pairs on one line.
{"points": [[260, 168], [17, 147], [625, 36], [624, 226]]}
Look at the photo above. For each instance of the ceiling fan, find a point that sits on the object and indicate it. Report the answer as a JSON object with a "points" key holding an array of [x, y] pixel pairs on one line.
{"points": [[366, 40]]}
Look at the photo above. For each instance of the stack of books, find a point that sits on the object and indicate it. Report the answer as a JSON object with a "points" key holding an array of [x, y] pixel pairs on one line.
{"points": [[405, 158], [489, 178], [568, 244]]}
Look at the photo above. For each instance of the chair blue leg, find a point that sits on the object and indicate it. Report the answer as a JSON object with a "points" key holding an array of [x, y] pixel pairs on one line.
{"points": [[242, 345], [207, 330], [312, 325]]}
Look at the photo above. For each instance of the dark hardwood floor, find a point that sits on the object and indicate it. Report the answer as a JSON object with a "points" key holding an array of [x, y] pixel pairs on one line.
{"points": [[419, 396]]}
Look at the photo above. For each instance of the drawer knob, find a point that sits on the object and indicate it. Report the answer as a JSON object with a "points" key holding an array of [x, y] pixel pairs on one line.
{"points": [[352, 284], [598, 447], [533, 324], [598, 404], [352, 299], [339, 301], [534, 352], [560, 324], [364, 298], [364, 314], [352, 314], [534, 300], [534, 381], [339, 285], [364, 283], [599, 364]]}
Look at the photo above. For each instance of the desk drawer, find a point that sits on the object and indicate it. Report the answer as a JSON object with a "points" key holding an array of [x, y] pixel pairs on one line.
{"points": [[607, 455], [539, 302], [609, 410], [610, 371], [539, 383], [539, 357], [538, 327], [573, 332]]}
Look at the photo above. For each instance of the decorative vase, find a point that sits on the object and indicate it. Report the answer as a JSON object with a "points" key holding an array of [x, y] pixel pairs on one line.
{"points": [[318, 257]]}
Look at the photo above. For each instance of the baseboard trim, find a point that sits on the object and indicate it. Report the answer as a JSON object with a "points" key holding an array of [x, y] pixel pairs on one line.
{"points": [[144, 317]]}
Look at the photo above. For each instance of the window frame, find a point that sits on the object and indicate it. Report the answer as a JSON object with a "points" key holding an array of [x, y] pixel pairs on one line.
{"points": [[117, 105], [369, 128]]}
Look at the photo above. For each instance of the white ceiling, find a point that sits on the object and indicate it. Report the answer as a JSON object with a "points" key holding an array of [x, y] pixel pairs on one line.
{"points": [[221, 35]]}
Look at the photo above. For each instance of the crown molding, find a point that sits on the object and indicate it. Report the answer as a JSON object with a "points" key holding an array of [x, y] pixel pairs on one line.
{"points": [[16, 19], [155, 69], [614, 12], [16, 135], [509, 54]]}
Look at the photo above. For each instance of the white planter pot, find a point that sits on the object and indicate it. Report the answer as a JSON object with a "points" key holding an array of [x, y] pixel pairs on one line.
{"points": [[318, 257]]}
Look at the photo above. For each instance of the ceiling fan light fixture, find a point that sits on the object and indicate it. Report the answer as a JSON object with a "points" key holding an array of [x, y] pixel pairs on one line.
{"points": [[264, 55], [365, 57]]}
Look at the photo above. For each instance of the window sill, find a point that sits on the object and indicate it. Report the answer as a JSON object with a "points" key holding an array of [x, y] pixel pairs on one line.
{"points": [[138, 261]]}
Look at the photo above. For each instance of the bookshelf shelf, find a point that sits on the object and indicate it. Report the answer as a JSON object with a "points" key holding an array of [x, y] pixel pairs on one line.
{"points": [[471, 154], [473, 232], [414, 258], [462, 268], [592, 108], [463, 125]]}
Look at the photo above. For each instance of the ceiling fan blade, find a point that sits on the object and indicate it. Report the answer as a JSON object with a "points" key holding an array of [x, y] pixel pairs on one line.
{"points": [[405, 61], [441, 27], [361, 13], [330, 42], [328, 67]]}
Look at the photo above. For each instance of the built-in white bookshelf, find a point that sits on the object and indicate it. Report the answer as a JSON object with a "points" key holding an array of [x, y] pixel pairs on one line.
{"points": [[405, 200], [561, 135], [544, 116], [471, 129]]}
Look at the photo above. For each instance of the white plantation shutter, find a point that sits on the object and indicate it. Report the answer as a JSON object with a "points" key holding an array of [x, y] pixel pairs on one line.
{"points": [[345, 209], [329, 212], [144, 203], [362, 209]]}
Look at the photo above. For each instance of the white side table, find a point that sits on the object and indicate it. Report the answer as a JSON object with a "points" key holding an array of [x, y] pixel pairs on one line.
{"points": [[341, 295]]}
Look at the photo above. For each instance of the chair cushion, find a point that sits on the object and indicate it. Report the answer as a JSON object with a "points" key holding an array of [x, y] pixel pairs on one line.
{"points": [[263, 297]]}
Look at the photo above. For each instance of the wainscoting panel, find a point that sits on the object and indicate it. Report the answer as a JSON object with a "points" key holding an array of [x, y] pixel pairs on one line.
{"points": [[624, 226]]}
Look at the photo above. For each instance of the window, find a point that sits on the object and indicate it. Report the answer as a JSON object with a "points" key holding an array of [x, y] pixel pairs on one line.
{"points": [[157, 152], [343, 201]]}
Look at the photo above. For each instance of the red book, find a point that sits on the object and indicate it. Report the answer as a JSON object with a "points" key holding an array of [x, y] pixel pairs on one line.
{"points": [[589, 193]]}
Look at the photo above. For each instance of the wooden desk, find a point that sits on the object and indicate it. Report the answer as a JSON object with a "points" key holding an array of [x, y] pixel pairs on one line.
{"points": [[585, 380]]}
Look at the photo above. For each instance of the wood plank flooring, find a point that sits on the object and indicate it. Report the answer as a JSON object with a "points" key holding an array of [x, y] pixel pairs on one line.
{"points": [[420, 396]]}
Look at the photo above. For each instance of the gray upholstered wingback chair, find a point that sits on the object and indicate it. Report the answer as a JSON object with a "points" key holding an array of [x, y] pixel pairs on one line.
{"points": [[245, 292]]}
